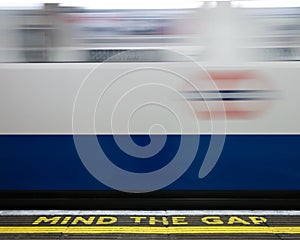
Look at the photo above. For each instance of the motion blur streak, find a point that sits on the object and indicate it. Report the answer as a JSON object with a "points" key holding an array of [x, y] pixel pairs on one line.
{"points": [[206, 31]]}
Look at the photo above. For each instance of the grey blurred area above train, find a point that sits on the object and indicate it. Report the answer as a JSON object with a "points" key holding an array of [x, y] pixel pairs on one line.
{"points": [[69, 34]]}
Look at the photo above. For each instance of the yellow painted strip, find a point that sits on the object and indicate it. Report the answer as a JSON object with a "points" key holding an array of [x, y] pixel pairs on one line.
{"points": [[152, 230]]}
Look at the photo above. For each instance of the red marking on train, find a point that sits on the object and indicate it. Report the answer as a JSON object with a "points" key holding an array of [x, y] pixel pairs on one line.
{"points": [[229, 80]]}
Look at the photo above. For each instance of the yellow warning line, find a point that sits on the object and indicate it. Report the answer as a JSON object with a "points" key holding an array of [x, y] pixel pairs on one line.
{"points": [[151, 230]]}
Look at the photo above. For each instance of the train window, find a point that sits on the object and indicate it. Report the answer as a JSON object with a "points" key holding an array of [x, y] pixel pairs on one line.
{"points": [[94, 31]]}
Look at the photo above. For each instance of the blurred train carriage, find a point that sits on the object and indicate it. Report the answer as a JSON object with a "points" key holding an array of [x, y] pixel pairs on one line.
{"points": [[227, 71]]}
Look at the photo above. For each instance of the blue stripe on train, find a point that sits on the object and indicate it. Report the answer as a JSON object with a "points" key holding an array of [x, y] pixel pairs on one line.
{"points": [[248, 162]]}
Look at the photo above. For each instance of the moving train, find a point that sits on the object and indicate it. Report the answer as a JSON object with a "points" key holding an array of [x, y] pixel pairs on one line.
{"points": [[140, 106]]}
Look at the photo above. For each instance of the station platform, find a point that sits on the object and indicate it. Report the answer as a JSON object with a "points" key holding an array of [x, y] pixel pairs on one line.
{"points": [[58, 224]]}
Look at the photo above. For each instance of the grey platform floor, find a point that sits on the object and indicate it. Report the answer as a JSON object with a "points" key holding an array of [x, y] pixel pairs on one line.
{"points": [[134, 225]]}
